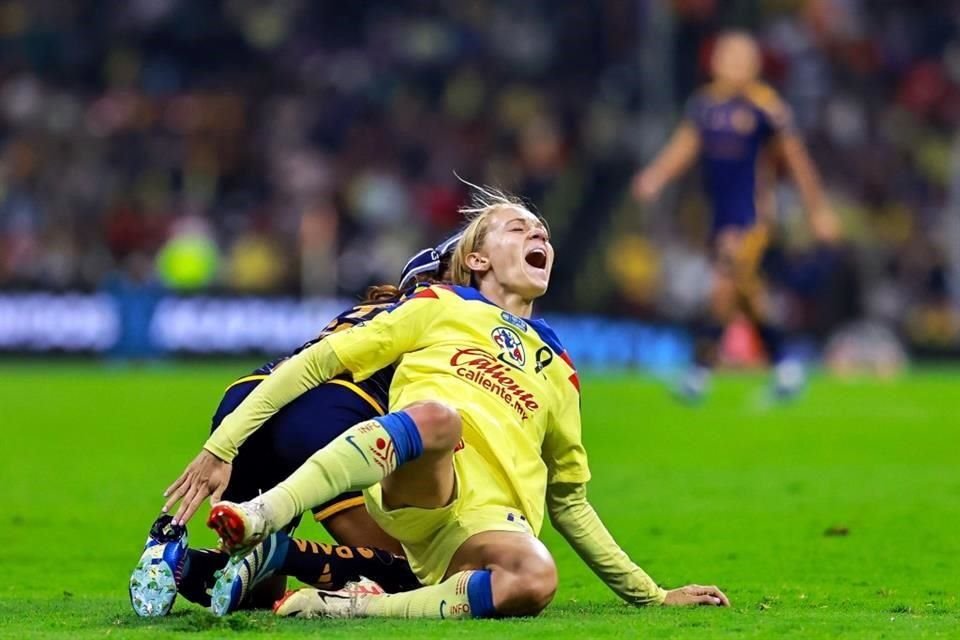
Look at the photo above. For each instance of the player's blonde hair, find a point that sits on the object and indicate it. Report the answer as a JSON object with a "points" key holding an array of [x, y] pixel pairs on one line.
{"points": [[484, 202]]}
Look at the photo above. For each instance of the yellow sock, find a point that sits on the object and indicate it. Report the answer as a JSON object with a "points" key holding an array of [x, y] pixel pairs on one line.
{"points": [[359, 458], [462, 595]]}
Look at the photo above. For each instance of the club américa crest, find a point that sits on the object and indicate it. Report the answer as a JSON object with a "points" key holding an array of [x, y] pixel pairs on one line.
{"points": [[511, 346]]}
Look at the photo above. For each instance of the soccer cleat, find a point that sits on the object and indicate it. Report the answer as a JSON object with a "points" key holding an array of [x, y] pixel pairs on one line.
{"points": [[789, 380], [350, 602], [241, 575], [154, 581], [692, 387], [240, 526]]}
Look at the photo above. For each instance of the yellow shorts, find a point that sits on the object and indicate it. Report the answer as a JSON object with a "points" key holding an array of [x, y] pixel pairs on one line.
{"points": [[431, 537]]}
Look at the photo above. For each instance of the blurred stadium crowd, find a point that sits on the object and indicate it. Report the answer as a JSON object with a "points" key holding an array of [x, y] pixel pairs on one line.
{"points": [[309, 147]]}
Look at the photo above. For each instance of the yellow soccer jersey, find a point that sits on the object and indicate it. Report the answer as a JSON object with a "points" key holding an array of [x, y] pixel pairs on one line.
{"points": [[510, 379]]}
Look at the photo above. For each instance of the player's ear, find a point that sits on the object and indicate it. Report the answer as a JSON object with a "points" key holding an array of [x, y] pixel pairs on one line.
{"points": [[478, 262]]}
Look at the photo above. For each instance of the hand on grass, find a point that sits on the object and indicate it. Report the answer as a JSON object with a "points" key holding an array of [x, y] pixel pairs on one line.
{"points": [[694, 595], [206, 476]]}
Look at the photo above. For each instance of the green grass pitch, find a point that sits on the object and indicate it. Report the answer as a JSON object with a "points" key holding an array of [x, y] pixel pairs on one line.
{"points": [[732, 493]]}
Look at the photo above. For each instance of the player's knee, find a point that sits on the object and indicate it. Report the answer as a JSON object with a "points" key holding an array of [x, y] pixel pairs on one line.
{"points": [[439, 425], [530, 589]]}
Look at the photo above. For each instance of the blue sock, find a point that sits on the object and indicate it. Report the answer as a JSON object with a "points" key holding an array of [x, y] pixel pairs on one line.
{"points": [[480, 595], [403, 431]]}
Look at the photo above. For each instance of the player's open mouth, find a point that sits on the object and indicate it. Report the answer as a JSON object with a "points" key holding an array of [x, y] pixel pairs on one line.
{"points": [[536, 258]]}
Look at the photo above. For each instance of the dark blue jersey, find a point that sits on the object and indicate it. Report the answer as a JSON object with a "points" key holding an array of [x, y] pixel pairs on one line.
{"points": [[733, 130]]}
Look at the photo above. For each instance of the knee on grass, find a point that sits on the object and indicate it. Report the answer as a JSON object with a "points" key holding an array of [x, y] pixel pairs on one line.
{"points": [[527, 589]]}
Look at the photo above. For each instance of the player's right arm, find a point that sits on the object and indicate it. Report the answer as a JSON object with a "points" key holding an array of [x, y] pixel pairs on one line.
{"points": [[675, 158], [362, 350]]}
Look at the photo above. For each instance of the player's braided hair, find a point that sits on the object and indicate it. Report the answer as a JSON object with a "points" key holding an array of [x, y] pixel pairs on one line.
{"points": [[388, 293], [380, 294]]}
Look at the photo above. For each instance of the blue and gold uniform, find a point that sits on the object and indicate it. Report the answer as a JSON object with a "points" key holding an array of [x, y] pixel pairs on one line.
{"points": [[305, 425], [733, 129]]}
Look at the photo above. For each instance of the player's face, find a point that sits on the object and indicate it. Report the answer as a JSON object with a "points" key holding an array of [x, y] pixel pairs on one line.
{"points": [[736, 60], [516, 252]]}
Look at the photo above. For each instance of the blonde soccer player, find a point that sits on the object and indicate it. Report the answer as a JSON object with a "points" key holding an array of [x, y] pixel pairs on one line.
{"points": [[483, 437]]}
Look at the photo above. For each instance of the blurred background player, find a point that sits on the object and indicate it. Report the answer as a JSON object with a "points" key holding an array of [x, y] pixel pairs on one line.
{"points": [[737, 127]]}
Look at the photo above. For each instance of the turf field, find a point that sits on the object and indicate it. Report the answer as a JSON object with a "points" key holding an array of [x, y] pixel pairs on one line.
{"points": [[837, 516]]}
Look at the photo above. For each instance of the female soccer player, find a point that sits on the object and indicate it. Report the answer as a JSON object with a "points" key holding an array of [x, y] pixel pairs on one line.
{"points": [[731, 125], [484, 429], [168, 567]]}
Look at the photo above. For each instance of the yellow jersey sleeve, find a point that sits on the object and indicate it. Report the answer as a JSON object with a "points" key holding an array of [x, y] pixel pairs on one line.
{"points": [[369, 347], [308, 369], [579, 524], [563, 451], [363, 349]]}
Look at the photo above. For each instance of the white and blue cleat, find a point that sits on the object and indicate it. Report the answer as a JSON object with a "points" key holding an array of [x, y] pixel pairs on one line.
{"points": [[692, 386], [154, 581], [789, 380], [243, 574]]}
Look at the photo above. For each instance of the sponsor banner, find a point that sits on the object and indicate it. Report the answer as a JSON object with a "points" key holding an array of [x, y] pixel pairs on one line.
{"points": [[41, 322], [239, 325], [143, 326]]}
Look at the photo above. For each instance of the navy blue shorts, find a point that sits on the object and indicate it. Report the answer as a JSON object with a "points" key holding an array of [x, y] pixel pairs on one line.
{"points": [[295, 433]]}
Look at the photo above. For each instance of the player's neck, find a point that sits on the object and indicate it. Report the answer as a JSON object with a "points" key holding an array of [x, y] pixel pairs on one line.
{"points": [[507, 300], [729, 88]]}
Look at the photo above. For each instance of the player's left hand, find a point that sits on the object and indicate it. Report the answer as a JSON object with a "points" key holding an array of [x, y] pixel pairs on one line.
{"points": [[206, 476], [694, 595], [825, 226], [646, 186]]}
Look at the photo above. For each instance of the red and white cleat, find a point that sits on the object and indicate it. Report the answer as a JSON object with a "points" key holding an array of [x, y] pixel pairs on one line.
{"points": [[240, 526]]}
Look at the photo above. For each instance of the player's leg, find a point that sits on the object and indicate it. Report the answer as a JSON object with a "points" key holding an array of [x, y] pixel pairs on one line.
{"points": [[422, 435], [354, 527], [325, 566], [420, 476], [503, 574], [492, 574], [479, 561], [308, 424], [303, 427], [789, 376], [311, 422], [708, 331]]}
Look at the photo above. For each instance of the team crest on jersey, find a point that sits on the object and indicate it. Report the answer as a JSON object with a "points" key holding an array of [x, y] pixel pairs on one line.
{"points": [[511, 346], [519, 323]]}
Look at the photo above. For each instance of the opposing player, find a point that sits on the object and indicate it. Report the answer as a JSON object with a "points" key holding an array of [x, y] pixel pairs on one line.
{"points": [[484, 429], [732, 125], [167, 566]]}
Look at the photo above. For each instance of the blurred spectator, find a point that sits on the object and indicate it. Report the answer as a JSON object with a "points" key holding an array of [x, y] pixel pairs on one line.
{"points": [[312, 145]]}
